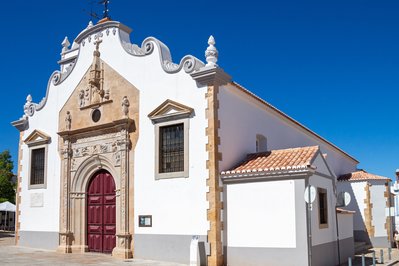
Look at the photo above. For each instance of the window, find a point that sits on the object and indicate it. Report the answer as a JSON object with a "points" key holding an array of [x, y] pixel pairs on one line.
{"points": [[37, 166], [171, 124], [323, 208], [37, 142], [261, 143], [171, 148]]}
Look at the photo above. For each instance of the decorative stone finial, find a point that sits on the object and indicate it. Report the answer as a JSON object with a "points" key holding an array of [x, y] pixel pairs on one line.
{"points": [[90, 24], [211, 52], [65, 44], [29, 107]]}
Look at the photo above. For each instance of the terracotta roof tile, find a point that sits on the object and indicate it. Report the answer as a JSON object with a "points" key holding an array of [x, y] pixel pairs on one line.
{"points": [[361, 175], [275, 160]]}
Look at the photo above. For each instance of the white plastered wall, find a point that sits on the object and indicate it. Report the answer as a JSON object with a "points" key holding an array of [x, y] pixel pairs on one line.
{"points": [[328, 234], [358, 195], [246, 117], [377, 191], [261, 214], [345, 225], [184, 198], [46, 120]]}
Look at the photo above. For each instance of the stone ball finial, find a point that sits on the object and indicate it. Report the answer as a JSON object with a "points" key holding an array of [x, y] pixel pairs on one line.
{"points": [[211, 53], [29, 107]]}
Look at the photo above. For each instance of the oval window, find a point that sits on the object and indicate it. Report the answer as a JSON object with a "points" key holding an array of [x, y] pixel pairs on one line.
{"points": [[96, 115]]}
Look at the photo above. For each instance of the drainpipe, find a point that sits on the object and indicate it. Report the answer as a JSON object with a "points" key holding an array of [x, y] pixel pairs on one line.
{"points": [[395, 195], [390, 215]]}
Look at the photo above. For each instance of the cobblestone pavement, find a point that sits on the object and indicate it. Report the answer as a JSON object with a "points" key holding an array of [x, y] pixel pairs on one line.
{"points": [[16, 255]]}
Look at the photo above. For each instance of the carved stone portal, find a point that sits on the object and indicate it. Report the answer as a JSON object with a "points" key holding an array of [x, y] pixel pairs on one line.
{"points": [[82, 156], [88, 145]]}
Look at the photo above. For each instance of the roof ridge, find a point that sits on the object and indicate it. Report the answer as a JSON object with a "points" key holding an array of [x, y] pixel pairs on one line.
{"points": [[361, 174]]}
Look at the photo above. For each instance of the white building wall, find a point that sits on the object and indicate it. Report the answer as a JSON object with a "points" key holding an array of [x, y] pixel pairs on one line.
{"points": [[345, 225], [358, 194], [261, 214], [185, 197], [377, 191], [323, 235], [246, 117]]}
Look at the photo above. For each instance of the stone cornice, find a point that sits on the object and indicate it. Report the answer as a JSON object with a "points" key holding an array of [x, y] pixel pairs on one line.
{"points": [[21, 124], [125, 123], [211, 75], [267, 176]]}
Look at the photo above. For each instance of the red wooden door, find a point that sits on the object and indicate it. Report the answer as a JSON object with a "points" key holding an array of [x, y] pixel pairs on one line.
{"points": [[101, 213]]}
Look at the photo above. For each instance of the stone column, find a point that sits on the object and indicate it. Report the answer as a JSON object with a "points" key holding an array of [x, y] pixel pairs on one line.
{"points": [[124, 238], [213, 77], [65, 233]]}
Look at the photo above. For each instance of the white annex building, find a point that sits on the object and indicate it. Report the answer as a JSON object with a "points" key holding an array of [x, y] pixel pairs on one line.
{"points": [[371, 202], [132, 154]]}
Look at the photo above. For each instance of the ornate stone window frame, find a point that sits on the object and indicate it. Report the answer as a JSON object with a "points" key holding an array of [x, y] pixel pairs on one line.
{"points": [[38, 140], [171, 113]]}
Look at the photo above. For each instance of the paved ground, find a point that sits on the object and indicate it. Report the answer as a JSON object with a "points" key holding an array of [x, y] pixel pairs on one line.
{"points": [[368, 257], [15, 255]]}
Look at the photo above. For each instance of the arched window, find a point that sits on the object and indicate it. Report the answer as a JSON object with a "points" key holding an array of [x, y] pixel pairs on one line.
{"points": [[261, 143]]}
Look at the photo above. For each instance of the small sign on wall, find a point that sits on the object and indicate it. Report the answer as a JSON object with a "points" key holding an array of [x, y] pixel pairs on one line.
{"points": [[145, 220], [36, 199], [389, 211]]}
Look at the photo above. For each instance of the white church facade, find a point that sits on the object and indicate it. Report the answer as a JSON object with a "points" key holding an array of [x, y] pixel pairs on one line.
{"points": [[132, 154]]}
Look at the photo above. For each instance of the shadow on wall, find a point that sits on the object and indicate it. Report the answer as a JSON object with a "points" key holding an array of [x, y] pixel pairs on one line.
{"points": [[359, 234]]}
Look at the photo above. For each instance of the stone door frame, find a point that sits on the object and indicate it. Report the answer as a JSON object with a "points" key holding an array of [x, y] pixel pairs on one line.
{"points": [[84, 152]]}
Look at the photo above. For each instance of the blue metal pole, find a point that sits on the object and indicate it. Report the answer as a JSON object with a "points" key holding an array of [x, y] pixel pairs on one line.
{"points": [[381, 256], [363, 260], [373, 257], [349, 261]]}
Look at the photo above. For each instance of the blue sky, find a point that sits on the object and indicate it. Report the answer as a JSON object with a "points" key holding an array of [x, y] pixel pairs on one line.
{"points": [[331, 65]]}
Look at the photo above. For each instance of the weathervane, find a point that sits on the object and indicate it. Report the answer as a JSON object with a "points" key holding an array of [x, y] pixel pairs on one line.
{"points": [[105, 12]]}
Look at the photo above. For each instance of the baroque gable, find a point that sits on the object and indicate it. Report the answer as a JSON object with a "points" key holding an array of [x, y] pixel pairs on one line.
{"points": [[102, 97]]}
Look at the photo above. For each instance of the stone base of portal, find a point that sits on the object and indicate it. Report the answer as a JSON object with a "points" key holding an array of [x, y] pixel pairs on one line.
{"points": [[79, 248], [122, 249], [65, 244]]}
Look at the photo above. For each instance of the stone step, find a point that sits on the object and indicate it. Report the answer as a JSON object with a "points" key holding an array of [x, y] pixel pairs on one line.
{"points": [[361, 246]]}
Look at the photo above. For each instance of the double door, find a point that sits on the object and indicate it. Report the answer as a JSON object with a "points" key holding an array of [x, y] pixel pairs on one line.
{"points": [[101, 213]]}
